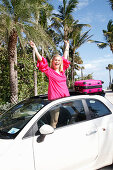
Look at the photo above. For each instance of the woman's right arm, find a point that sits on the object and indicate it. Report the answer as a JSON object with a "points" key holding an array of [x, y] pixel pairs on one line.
{"points": [[32, 44]]}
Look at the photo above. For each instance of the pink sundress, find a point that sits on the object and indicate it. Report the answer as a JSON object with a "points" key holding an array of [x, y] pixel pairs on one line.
{"points": [[57, 87]]}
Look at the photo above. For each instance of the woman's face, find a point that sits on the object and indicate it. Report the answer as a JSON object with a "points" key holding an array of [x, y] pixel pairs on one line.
{"points": [[56, 62]]}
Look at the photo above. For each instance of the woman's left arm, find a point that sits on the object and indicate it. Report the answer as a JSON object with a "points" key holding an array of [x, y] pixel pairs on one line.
{"points": [[66, 51]]}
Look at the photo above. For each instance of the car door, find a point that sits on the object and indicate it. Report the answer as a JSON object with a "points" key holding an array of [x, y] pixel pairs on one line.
{"points": [[74, 143], [102, 117]]}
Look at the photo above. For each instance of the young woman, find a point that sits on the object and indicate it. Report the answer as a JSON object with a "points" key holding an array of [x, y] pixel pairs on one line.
{"points": [[57, 87]]}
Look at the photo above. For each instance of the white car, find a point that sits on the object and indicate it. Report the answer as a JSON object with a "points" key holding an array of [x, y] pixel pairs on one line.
{"points": [[82, 140]]}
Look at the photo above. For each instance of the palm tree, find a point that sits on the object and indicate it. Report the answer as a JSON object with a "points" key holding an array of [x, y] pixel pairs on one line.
{"points": [[66, 26], [82, 72], [109, 67], [108, 34], [111, 4], [41, 17], [75, 60], [17, 19], [77, 39], [61, 21]]}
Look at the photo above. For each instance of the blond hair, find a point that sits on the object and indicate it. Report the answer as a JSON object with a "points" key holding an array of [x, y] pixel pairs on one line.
{"points": [[51, 62]]}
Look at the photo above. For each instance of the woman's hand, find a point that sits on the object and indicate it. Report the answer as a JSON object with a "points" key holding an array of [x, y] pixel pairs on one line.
{"points": [[66, 43], [32, 44]]}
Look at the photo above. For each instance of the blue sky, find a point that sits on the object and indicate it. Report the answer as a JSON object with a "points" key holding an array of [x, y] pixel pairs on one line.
{"points": [[97, 13]]}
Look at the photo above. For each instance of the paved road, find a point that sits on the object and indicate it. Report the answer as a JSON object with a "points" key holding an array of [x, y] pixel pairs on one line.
{"points": [[109, 96]]}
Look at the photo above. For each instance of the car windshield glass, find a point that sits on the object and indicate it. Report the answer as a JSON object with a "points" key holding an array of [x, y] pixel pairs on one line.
{"points": [[12, 121]]}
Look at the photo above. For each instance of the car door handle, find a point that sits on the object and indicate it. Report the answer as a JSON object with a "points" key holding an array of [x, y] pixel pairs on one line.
{"points": [[91, 132]]}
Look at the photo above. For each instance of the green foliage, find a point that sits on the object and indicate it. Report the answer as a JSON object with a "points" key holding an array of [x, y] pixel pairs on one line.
{"points": [[4, 76], [29, 19], [26, 79], [5, 107], [108, 35], [86, 77], [111, 4], [89, 76], [42, 83], [25, 76], [19, 23]]}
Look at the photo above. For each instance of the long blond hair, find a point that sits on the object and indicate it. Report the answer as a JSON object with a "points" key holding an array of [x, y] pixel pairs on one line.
{"points": [[61, 66]]}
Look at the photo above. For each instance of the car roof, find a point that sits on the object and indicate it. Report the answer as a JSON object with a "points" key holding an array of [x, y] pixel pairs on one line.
{"points": [[72, 95]]}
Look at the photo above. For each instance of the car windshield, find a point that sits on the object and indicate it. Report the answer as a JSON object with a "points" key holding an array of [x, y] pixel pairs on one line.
{"points": [[12, 121]]}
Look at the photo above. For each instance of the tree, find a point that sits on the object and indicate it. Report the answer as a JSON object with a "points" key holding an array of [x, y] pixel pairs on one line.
{"points": [[61, 21], [41, 17], [17, 19], [74, 65], [77, 39], [4, 76], [82, 72], [108, 34], [109, 67], [111, 4], [67, 27], [35, 75]]}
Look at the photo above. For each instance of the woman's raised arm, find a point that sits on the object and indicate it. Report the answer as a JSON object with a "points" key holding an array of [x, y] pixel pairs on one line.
{"points": [[32, 44]]}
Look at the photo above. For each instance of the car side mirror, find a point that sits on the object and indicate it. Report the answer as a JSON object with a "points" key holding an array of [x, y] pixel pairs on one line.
{"points": [[46, 129]]}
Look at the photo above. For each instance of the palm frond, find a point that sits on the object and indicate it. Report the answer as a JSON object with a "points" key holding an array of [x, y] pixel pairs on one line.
{"points": [[19, 28], [102, 45], [111, 4], [85, 37], [110, 26], [39, 36], [72, 4], [94, 41], [8, 5]]}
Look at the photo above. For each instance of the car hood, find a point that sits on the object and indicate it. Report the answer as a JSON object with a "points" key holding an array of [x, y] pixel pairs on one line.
{"points": [[5, 144]]}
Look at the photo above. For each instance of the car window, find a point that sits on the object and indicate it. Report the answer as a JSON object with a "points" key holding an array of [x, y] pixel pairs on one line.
{"points": [[14, 120], [64, 114], [97, 108]]}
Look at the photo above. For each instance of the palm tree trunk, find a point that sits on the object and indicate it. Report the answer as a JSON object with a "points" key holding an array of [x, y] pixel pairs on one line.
{"points": [[73, 68], [65, 38], [35, 76], [81, 74], [42, 72], [109, 78], [111, 47], [12, 54], [72, 71]]}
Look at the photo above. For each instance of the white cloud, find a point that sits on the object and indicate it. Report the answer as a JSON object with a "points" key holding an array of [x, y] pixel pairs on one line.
{"points": [[89, 66], [84, 3], [90, 17], [98, 64], [98, 68]]}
